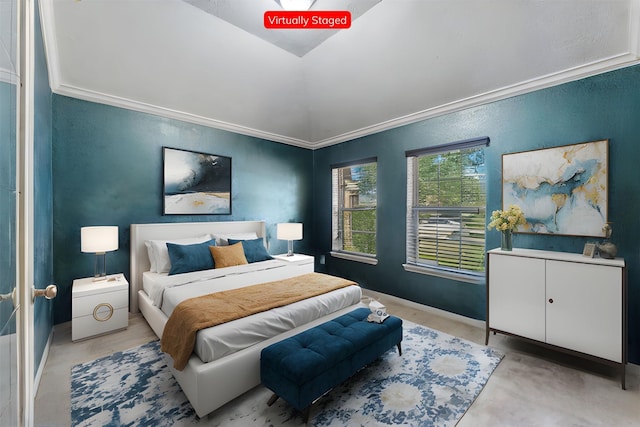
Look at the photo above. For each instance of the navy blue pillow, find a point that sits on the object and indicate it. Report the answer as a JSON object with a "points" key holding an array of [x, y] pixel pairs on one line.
{"points": [[186, 258], [254, 250]]}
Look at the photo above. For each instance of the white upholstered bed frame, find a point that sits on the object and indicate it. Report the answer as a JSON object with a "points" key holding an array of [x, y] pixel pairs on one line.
{"points": [[207, 385]]}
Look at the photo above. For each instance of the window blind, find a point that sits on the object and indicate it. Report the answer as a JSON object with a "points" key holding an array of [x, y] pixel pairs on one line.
{"points": [[446, 204], [354, 207]]}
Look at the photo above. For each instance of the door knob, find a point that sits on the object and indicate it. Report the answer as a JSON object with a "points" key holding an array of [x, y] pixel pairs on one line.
{"points": [[49, 292], [10, 296]]}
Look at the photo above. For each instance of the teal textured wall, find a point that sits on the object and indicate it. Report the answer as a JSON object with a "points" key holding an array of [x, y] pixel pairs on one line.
{"points": [[107, 170], [601, 107]]}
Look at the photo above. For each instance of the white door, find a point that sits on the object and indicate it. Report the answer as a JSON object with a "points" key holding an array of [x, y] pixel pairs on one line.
{"points": [[16, 213]]}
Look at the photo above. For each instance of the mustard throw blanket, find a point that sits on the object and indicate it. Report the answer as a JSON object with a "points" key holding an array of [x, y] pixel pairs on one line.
{"points": [[202, 312]]}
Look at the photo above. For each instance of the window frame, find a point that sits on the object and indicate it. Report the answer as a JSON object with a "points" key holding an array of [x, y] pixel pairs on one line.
{"points": [[412, 263], [337, 208]]}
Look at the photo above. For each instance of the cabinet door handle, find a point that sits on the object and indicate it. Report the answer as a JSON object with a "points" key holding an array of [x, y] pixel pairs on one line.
{"points": [[550, 300]]}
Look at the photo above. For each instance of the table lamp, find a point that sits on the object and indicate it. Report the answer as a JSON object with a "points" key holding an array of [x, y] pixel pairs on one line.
{"points": [[289, 231], [99, 240]]}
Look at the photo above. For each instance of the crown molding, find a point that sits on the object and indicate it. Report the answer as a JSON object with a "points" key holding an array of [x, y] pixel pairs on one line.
{"points": [[47, 24], [573, 74], [577, 73], [116, 101], [632, 57]]}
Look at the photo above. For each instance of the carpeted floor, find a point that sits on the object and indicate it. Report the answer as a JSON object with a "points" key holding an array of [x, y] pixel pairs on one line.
{"points": [[433, 383]]}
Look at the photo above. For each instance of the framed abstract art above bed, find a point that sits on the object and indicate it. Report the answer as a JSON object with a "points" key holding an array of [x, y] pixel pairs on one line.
{"points": [[196, 183], [561, 190]]}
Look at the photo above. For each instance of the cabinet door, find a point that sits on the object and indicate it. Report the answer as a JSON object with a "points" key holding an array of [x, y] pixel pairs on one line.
{"points": [[586, 312], [516, 295]]}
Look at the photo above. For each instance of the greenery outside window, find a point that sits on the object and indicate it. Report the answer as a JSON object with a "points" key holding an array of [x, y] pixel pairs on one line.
{"points": [[446, 210], [354, 210]]}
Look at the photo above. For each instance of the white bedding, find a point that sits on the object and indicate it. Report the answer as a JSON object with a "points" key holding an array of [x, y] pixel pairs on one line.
{"points": [[167, 291], [219, 341], [214, 343]]}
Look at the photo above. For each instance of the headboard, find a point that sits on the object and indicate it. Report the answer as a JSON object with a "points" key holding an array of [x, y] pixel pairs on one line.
{"points": [[176, 230]]}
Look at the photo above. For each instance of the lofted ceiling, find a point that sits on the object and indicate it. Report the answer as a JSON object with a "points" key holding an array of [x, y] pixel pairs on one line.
{"points": [[212, 62], [249, 17]]}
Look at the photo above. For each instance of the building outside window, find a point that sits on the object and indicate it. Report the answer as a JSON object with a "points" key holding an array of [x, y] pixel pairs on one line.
{"points": [[446, 210], [354, 208]]}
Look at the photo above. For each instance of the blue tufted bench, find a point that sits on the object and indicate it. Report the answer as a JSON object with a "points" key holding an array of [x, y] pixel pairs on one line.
{"points": [[302, 368]]}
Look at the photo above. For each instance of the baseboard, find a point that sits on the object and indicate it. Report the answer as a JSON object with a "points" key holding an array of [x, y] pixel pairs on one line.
{"points": [[43, 362], [443, 313]]}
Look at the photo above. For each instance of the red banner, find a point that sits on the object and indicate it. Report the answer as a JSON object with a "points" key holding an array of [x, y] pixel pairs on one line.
{"points": [[308, 20]]}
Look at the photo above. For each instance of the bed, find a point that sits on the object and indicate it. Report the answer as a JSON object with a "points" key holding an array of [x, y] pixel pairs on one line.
{"points": [[229, 370]]}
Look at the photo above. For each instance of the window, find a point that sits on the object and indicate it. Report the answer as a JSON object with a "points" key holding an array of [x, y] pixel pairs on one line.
{"points": [[354, 194], [446, 207]]}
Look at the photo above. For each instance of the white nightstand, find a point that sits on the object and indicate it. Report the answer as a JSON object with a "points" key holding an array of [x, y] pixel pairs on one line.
{"points": [[99, 307], [306, 262]]}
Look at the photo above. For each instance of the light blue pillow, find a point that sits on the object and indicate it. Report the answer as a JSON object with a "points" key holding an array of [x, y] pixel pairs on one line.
{"points": [[254, 250], [187, 258]]}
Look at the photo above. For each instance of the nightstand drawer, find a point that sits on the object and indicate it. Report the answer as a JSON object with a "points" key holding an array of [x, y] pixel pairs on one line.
{"points": [[105, 320], [84, 306]]}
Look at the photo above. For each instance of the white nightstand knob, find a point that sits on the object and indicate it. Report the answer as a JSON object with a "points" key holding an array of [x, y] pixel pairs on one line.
{"points": [[103, 312]]}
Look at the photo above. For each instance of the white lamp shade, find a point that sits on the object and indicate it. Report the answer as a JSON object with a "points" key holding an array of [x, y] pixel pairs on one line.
{"points": [[289, 231], [99, 239]]}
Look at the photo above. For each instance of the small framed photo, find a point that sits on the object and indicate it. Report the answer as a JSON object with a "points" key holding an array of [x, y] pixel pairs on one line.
{"points": [[589, 250]]}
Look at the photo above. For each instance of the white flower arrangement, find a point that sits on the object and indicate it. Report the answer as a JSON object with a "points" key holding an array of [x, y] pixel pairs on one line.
{"points": [[508, 219]]}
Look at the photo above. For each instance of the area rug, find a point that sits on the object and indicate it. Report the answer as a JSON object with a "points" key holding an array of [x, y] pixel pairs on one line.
{"points": [[433, 383]]}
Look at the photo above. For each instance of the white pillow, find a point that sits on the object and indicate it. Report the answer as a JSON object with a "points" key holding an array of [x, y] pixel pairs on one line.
{"points": [[222, 239], [159, 254]]}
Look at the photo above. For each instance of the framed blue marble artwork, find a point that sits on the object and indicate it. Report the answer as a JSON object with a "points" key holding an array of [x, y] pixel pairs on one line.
{"points": [[196, 183], [561, 190]]}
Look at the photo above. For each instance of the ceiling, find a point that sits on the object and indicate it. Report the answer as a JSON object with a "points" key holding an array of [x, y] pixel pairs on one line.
{"points": [[212, 62]]}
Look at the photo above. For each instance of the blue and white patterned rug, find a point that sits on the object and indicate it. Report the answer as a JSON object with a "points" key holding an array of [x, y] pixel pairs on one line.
{"points": [[433, 383]]}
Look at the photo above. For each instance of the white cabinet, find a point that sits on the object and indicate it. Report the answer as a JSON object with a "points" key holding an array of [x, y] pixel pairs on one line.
{"points": [[99, 307], [567, 301]]}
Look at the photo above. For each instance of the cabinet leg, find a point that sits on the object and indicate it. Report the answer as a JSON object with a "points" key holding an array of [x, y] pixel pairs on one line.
{"points": [[272, 399], [623, 376]]}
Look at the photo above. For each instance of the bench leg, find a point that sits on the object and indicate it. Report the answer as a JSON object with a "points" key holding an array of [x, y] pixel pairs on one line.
{"points": [[400, 349], [272, 399], [305, 414]]}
